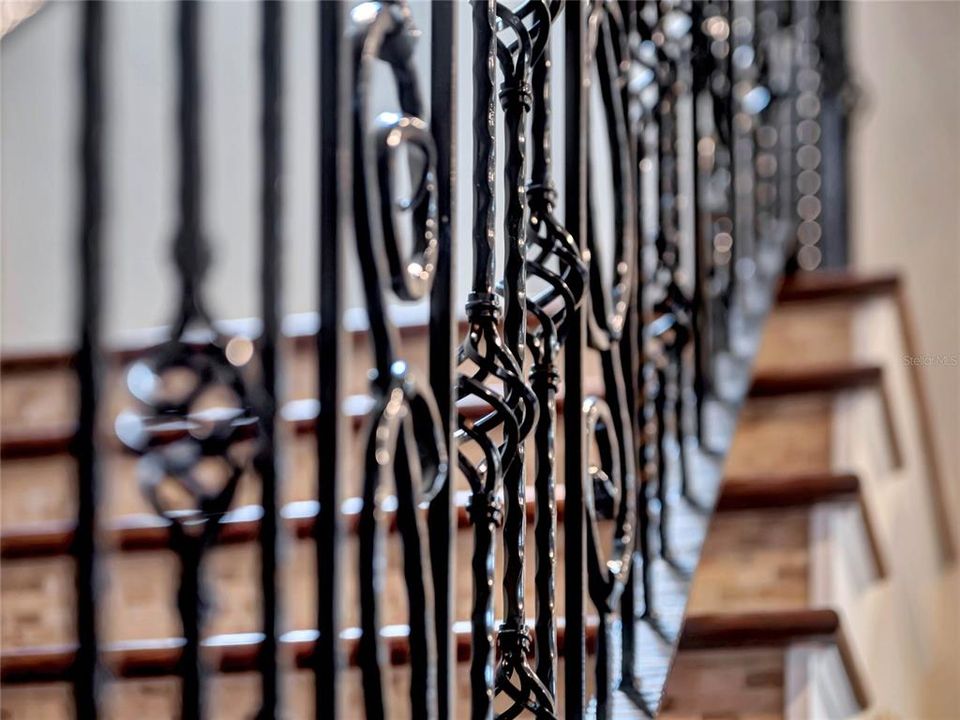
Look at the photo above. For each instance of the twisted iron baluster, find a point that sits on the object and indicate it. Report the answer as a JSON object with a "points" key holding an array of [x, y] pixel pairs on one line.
{"points": [[514, 677], [404, 437], [192, 454], [554, 257], [610, 486], [482, 358]]}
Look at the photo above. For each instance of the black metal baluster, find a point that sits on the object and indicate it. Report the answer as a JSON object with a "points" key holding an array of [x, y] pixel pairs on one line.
{"points": [[553, 308], [610, 485], [404, 437], [575, 457], [88, 364], [514, 676], [631, 363], [700, 327], [201, 457], [331, 430], [482, 316], [268, 461], [443, 322]]}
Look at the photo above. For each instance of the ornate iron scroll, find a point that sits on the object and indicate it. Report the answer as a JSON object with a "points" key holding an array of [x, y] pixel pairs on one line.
{"points": [[197, 411], [404, 436], [610, 484]]}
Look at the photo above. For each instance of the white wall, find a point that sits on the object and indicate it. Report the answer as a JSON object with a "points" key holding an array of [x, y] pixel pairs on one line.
{"points": [[905, 188], [40, 73]]}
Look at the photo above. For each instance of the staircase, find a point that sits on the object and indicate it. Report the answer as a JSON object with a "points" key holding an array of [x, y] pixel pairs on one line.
{"points": [[756, 625]]}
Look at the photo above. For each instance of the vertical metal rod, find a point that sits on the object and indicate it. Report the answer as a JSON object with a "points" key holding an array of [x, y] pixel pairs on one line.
{"points": [[575, 461], [88, 363], [192, 253], [193, 257], [484, 127], [484, 168], [269, 465], [443, 327], [330, 429]]}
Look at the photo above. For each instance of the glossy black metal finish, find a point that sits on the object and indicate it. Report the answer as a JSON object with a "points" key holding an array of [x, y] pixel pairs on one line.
{"points": [[268, 460], [88, 364], [553, 258], [610, 484], [443, 316], [404, 436], [574, 436], [514, 676], [484, 348], [331, 430]]}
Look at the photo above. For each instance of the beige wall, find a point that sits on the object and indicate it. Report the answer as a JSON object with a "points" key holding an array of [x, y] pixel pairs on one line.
{"points": [[905, 180], [905, 214]]}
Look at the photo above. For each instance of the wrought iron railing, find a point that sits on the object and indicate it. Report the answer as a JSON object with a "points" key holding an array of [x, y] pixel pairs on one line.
{"points": [[648, 266]]}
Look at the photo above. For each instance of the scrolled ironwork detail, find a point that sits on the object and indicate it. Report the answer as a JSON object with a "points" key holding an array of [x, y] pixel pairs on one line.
{"points": [[195, 410], [610, 486], [404, 440]]}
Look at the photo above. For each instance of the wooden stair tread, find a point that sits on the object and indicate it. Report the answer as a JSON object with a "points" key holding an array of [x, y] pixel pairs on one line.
{"points": [[766, 491], [852, 376], [147, 532], [300, 328], [827, 286], [144, 532], [229, 653], [301, 414], [775, 628]]}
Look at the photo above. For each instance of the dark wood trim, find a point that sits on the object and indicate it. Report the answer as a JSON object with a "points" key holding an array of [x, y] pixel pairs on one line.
{"points": [[147, 532], [774, 383], [836, 286], [763, 492], [225, 653]]}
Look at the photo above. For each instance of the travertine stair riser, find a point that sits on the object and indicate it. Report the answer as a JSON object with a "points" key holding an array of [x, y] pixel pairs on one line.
{"points": [[782, 435], [753, 560], [35, 399], [139, 599], [232, 696], [729, 684], [807, 336], [39, 489]]}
